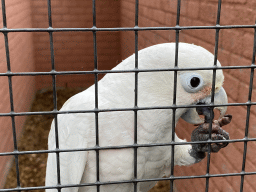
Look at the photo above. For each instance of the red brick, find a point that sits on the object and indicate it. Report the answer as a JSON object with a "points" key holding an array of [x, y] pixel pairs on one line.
{"points": [[193, 9], [184, 130], [235, 183], [252, 126], [233, 156], [165, 4], [127, 18], [242, 74], [6, 135], [184, 21], [146, 3], [238, 14], [21, 55], [214, 183], [180, 184], [224, 59], [4, 168], [247, 186], [227, 16], [126, 22], [220, 184], [244, 87], [245, 15], [142, 3], [173, 7], [231, 40], [194, 40], [129, 6], [229, 188], [183, 8], [234, 131], [207, 35], [157, 4], [198, 185], [248, 40], [231, 1], [166, 35], [170, 19], [200, 23], [144, 11], [228, 160], [159, 16], [231, 85], [239, 118], [251, 4], [243, 90], [251, 179], [38, 4], [251, 152], [208, 12]]}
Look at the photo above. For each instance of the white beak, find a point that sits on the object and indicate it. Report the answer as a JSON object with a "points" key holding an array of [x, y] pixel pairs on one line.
{"points": [[220, 98]]}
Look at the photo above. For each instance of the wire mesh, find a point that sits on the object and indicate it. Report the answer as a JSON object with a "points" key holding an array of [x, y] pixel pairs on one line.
{"points": [[136, 29]]}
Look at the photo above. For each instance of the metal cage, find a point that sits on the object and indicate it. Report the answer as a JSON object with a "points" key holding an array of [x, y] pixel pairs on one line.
{"points": [[136, 29]]}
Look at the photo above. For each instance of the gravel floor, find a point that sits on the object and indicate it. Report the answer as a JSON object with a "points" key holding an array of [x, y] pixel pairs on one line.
{"points": [[34, 137]]}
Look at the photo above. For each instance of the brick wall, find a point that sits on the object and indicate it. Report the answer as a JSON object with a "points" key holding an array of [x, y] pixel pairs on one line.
{"points": [[22, 60], [31, 52], [235, 49], [74, 50]]}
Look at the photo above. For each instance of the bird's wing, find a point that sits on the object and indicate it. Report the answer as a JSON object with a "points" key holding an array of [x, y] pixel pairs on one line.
{"points": [[72, 134]]}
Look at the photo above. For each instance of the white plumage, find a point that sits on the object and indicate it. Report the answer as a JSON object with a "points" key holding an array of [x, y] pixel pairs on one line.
{"points": [[116, 90]]}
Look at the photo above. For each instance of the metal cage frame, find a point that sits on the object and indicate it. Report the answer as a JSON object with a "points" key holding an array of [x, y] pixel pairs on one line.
{"points": [[5, 30]]}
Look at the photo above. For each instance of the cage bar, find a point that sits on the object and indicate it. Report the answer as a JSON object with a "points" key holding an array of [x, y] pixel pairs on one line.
{"points": [[135, 168], [8, 62], [177, 33], [54, 96], [213, 92], [122, 71], [118, 109], [126, 28], [96, 96], [248, 112], [136, 29]]}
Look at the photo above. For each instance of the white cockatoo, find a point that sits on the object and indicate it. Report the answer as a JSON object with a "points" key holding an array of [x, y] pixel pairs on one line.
{"points": [[117, 90]]}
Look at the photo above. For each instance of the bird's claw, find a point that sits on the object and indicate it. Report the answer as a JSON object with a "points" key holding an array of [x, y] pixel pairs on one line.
{"points": [[201, 133]]}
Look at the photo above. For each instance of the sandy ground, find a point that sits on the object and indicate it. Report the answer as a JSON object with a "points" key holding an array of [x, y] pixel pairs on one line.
{"points": [[34, 137]]}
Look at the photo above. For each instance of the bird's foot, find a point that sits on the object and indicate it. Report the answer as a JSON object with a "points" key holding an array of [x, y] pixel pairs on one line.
{"points": [[201, 133]]}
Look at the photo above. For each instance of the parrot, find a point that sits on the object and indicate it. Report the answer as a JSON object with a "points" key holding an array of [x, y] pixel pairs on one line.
{"points": [[154, 124]]}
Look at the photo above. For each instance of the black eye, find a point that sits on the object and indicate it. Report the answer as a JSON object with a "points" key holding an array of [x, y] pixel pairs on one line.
{"points": [[194, 82], [191, 82]]}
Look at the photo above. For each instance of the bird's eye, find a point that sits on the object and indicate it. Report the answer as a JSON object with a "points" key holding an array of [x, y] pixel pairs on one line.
{"points": [[194, 82], [191, 82]]}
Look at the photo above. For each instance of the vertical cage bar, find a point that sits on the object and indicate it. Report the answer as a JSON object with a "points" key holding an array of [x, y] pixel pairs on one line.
{"points": [[54, 94], [248, 112], [213, 93], [136, 96], [4, 14], [96, 94], [7, 51], [177, 34]]}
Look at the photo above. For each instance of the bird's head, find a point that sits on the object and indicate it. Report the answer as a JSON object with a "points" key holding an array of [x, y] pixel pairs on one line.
{"points": [[195, 86]]}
